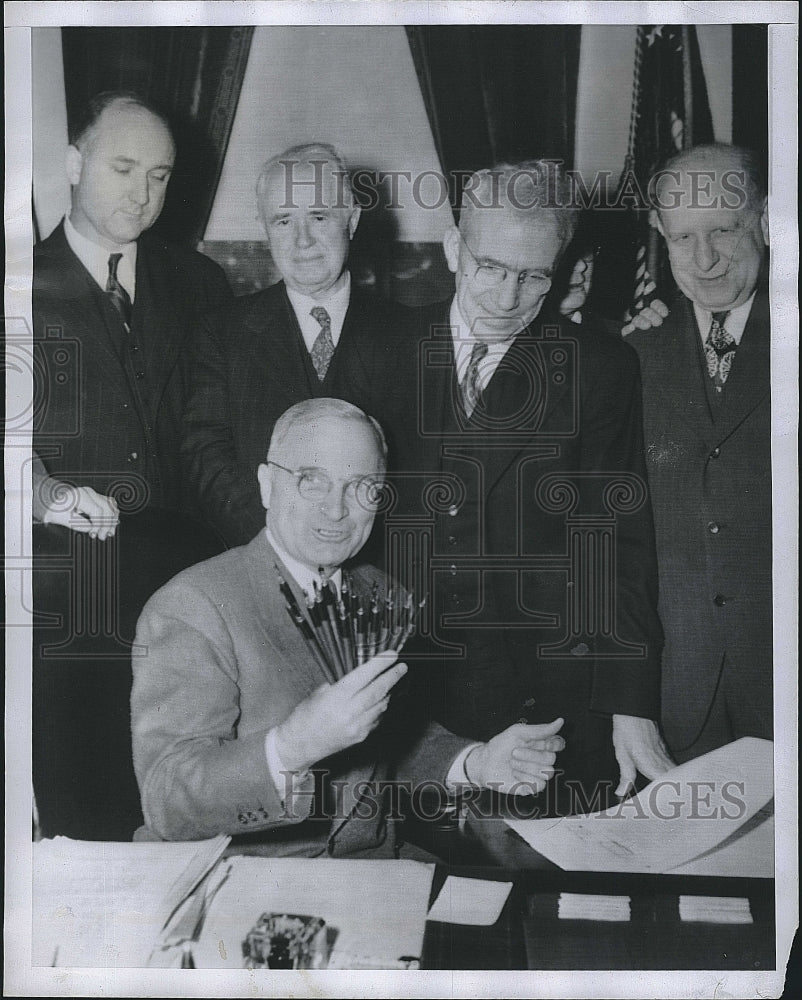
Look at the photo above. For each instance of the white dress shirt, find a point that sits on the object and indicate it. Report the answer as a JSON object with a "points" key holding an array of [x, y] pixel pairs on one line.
{"points": [[95, 259], [306, 578], [464, 341], [335, 305], [734, 324]]}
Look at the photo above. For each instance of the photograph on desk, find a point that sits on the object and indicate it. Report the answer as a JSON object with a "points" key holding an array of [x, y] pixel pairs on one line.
{"points": [[401, 487]]}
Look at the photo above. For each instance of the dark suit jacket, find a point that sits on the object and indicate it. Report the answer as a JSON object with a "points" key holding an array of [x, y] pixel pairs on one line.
{"points": [[95, 422], [247, 366], [565, 402], [225, 664], [710, 476]]}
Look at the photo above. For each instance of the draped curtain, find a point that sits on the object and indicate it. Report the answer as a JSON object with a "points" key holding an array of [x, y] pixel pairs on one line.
{"points": [[194, 75], [498, 92]]}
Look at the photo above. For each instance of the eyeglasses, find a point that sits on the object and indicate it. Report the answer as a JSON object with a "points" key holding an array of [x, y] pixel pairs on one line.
{"points": [[490, 273], [316, 485]]}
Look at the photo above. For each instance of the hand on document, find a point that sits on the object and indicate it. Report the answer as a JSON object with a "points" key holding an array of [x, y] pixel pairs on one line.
{"points": [[638, 748], [519, 761]]}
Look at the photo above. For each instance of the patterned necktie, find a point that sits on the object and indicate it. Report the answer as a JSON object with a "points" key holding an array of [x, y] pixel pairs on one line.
{"points": [[323, 347], [120, 299], [470, 391], [719, 351]]}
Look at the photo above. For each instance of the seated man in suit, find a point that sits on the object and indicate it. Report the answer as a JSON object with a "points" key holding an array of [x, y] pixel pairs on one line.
{"points": [[509, 427], [707, 420], [281, 345], [112, 308], [230, 710]]}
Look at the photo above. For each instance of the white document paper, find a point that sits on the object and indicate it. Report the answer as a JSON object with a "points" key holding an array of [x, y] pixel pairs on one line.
{"points": [[376, 908], [470, 901], [103, 904], [587, 906], [685, 813]]}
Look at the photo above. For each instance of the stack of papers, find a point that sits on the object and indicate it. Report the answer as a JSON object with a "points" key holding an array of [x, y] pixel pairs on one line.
{"points": [[375, 911], [581, 906], [103, 905], [715, 909], [687, 812]]}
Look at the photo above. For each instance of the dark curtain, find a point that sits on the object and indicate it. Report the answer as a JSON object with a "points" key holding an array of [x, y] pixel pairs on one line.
{"points": [[497, 93], [194, 75], [750, 88]]}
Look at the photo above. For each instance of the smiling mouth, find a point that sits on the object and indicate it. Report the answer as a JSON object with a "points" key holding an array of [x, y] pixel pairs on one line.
{"points": [[331, 535]]}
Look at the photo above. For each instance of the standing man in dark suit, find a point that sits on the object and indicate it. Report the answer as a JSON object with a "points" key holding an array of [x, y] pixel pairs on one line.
{"points": [[516, 443], [707, 419], [231, 712], [282, 345], [112, 309]]}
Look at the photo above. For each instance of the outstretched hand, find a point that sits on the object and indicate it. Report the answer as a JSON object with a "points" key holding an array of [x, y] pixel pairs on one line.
{"points": [[519, 761], [82, 509]]}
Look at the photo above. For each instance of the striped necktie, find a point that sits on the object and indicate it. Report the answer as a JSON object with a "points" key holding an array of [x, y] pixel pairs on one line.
{"points": [[470, 390], [719, 350], [120, 299], [323, 347]]}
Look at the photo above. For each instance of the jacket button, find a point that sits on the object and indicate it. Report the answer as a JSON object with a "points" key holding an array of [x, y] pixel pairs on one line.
{"points": [[452, 569], [453, 510], [140, 375], [715, 452], [713, 528], [133, 456], [452, 540], [719, 600]]}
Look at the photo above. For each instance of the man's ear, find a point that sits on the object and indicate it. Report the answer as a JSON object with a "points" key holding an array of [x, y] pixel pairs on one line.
{"points": [[764, 221], [451, 242], [265, 486], [73, 164], [353, 220]]}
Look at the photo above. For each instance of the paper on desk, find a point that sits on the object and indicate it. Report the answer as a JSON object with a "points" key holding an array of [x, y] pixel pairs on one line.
{"points": [[377, 908], [686, 812], [470, 901], [101, 905]]}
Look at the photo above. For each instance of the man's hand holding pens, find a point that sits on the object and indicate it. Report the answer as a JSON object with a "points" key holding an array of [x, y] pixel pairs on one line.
{"points": [[340, 715], [519, 761]]}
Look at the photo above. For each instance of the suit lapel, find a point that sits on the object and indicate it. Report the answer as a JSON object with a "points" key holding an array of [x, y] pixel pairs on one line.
{"points": [[749, 380], [290, 353], [677, 376], [72, 287]]}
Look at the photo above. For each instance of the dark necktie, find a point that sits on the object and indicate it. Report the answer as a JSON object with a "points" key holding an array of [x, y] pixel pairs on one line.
{"points": [[719, 350], [323, 347], [470, 390], [120, 299]]}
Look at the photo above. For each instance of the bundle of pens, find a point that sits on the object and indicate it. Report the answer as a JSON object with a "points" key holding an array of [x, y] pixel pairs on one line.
{"points": [[343, 630]]}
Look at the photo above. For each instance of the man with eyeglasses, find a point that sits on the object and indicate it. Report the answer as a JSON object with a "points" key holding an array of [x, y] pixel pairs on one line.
{"points": [[509, 428], [236, 728]]}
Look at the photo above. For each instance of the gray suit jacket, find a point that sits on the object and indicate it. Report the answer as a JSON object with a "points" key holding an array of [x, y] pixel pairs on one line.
{"points": [[223, 664], [710, 480]]}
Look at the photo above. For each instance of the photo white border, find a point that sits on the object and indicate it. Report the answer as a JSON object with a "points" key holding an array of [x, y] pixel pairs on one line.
{"points": [[20, 978]]}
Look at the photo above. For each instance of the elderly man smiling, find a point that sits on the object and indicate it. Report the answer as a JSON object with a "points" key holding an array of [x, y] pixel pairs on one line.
{"points": [[282, 345], [231, 711]]}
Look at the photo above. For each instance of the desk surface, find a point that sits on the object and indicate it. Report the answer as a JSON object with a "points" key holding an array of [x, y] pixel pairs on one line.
{"points": [[530, 935]]}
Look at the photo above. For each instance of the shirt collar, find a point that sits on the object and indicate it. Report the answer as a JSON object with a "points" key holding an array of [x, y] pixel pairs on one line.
{"points": [[336, 305], [95, 258], [464, 341], [734, 324], [303, 575]]}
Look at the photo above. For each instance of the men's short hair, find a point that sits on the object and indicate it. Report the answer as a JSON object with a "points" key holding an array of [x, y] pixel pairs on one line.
{"points": [[719, 156], [305, 153], [312, 410], [86, 119], [527, 188]]}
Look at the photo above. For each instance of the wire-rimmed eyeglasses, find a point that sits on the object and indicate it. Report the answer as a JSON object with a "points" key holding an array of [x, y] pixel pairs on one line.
{"points": [[316, 485], [490, 273]]}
